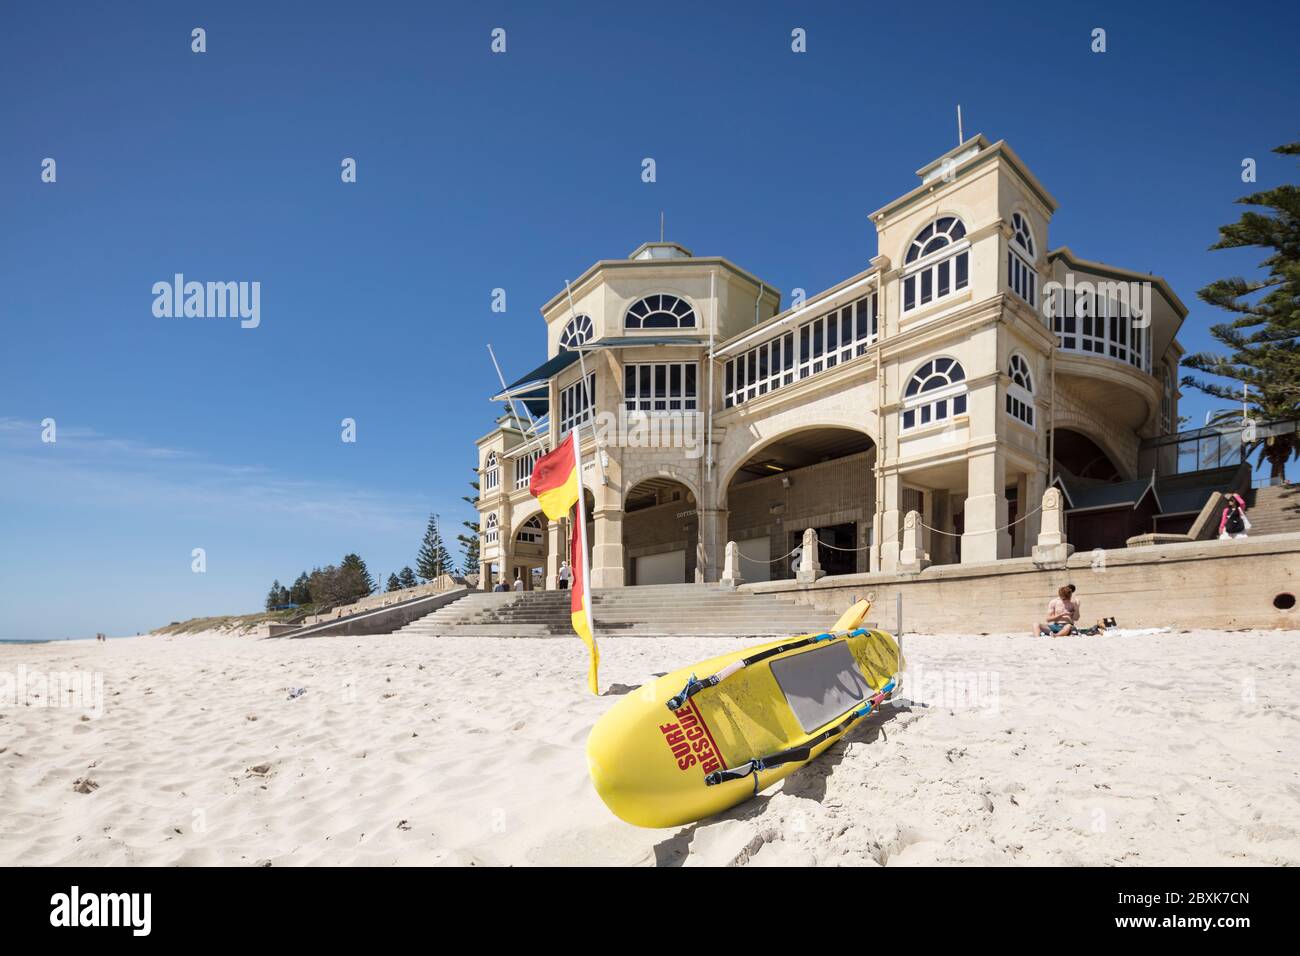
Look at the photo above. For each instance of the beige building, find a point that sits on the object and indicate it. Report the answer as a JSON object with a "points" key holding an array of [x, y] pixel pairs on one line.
{"points": [[966, 366]]}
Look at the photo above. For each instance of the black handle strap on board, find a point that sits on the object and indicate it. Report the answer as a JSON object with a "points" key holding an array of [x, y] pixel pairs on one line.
{"points": [[695, 685]]}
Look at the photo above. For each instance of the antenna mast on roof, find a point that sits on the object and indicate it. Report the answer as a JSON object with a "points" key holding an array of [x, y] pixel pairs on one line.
{"points": [[960, 138]]}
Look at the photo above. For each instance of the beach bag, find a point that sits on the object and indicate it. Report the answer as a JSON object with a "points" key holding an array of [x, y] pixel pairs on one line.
{"points": [[1236, 523]]}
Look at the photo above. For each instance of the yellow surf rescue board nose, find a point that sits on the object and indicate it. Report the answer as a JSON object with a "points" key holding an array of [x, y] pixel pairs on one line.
{"points": [[707, 737]]}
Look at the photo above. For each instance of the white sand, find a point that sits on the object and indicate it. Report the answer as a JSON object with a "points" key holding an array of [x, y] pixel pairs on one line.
{"points": [[1181, 748]]}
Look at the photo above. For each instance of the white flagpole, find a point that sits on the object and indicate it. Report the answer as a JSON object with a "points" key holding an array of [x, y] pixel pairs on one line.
{"points": [[587, 390], [532, 425], [582, 539]]}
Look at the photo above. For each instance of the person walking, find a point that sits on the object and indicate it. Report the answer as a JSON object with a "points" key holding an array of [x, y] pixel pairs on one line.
{"points": [[565, 575]]}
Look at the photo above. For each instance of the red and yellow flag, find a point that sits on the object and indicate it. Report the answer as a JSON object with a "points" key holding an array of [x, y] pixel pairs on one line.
{"points": [[557, 486]]}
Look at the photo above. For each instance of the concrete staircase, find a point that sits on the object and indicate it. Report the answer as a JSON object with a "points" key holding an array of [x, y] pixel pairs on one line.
{"points": [[665, 610], [1273, 510]]}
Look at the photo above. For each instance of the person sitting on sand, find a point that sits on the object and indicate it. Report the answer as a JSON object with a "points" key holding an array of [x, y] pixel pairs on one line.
{"points": [[1062, 613]]}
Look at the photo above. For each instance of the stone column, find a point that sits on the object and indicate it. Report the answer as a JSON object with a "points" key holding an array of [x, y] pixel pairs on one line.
{"points": [[607, 561], [890, 531], [555, 553], [731, 573], [1036, 487], [1052, 548], [810, 569], [709, 550], [912, 559], [986, 509]]}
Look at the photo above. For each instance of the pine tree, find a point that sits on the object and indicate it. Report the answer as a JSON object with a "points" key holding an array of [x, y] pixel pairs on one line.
{"points": [[433, 560], [469, 540], [393, 583], [357, 581], [276, 596], [1263, 338], [407, 578], [300, 593]]}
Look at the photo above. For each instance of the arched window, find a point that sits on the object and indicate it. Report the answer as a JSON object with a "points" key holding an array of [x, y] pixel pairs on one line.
{"points": [[1021, 276], [491, 472], [1021, 234], [490, 529], [533, 531], [935, 392], [937, 263], [1020, 392], [576, 333], [660, 312]]}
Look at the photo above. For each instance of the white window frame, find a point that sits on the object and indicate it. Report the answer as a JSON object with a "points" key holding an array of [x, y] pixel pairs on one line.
{"points": [[576, 403], [646, 373], [1020, 397], [1022, 278], [659, 309], [915, 273], [937, 404], [491, 472], [577, 332], [490, 530], [1102, 337], [532, 531], [803, 352], [524, 468]]}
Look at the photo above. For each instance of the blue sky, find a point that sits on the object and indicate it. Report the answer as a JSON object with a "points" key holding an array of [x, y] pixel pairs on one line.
{"points": [[478, 171]]}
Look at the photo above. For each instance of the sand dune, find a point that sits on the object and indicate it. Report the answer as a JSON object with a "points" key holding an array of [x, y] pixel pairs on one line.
{"points": [[1180, 748]]}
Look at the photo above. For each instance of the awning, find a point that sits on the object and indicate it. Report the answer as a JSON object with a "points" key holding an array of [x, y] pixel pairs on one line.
{"points": [[1096, 496], [533, 388]]}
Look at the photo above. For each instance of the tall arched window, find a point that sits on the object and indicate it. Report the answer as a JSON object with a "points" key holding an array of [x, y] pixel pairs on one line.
{"points": [[935, 392], [490, 529], [660, 312], [1020, 391], [937, 263], [576, 333], [1021, 276], [491, 472]]}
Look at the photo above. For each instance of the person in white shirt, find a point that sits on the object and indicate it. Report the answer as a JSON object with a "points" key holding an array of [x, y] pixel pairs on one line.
{"points": [[565, 575], [519, 584]]}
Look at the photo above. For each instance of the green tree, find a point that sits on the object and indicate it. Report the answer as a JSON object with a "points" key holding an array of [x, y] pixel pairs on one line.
{"points": [[393, 583], [433, 559], [277, 595], [357, 580], [1262, 338], [407, 578], [469, 539], [300, 593]]}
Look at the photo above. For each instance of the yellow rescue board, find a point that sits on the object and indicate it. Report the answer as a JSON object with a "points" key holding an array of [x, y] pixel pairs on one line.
{"points": [[649, 763]]}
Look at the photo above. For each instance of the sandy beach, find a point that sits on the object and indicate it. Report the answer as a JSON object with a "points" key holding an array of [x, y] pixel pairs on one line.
{"points": [[1176, 748]]}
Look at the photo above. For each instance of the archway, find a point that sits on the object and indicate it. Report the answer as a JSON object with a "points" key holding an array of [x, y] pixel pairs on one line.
{"points": [[529, 552], [1078, 456], [818, 477], [660, 531]]}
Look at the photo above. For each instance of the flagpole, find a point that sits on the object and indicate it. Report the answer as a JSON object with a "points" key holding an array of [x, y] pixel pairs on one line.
{"points": [[587, 390], [532, 425], [582, 539]]}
